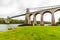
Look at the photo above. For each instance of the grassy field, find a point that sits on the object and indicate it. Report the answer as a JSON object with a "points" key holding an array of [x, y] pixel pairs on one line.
{"points": [[32, 33]]}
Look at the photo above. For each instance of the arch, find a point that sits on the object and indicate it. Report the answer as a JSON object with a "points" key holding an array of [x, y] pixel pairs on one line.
{"points": [[31, 18], [47, 12], [47, 18], [30, 15], [37, 13], [38, 18], [57, 15], [57, 10]]}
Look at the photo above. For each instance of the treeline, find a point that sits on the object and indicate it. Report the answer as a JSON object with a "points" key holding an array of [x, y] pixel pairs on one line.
{"points": [[45, 22], [2, 21], [13, 21], [58, 23]]}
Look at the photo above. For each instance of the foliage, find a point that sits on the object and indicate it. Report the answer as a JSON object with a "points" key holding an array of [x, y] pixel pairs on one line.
{"points": [[58, 21], [2, 20], [13, 21], [45, 22]]}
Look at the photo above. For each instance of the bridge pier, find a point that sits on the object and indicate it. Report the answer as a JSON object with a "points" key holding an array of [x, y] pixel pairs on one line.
{"points": [[53, 20], [34, 19], [42, 22], [7, 20], [27, 18]]}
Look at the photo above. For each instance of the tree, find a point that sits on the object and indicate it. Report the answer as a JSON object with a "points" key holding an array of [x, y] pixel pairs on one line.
{"points": [[58, 21], [2, 20]]}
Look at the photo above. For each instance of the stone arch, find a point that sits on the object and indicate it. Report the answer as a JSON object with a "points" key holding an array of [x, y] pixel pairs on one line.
{"points": [[38, 14], [57, 15], [31, 18], [47, 12], [47, 18], [50, 16], [57, 10]]}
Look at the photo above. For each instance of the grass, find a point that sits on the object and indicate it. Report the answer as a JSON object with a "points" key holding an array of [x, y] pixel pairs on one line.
{"points": [[32, 33]]}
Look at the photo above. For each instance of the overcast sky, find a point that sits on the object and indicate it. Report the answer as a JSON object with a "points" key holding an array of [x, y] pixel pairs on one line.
{"points": [[16, 7]]}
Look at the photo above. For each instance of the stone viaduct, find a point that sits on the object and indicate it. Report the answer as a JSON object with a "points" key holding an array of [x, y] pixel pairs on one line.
{"points": [[42, 12], [28, 14]]}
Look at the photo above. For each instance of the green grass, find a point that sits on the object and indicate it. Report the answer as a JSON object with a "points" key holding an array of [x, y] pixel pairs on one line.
{"points": [[32, 33]]}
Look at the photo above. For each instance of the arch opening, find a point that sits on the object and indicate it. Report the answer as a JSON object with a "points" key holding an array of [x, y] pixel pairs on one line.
{"points": [[38, 18], [47, 19], [31, 19], [35, 19], [57, 16]]}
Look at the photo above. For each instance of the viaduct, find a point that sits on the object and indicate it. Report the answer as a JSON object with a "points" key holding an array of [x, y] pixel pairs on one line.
{"points": [[42, 11]]}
